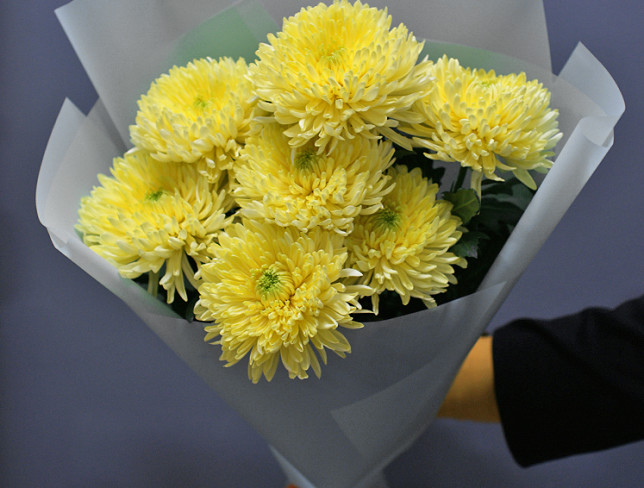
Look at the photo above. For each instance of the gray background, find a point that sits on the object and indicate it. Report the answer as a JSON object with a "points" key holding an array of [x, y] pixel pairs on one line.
{"points": [[90, 397]]}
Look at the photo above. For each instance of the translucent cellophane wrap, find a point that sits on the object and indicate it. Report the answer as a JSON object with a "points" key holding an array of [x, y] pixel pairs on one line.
{"points": [[342, 429]]}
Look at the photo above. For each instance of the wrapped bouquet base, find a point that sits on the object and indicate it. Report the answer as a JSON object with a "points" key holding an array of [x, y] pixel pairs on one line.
{"points": [[343, 429]]}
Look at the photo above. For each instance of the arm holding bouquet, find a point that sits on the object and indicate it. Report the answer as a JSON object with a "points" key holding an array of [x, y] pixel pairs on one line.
{"points": [[559, 387]]}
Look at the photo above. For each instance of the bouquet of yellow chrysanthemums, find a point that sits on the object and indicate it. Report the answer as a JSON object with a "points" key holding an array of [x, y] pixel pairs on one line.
{"points": [[339, 175], [283, 191]]}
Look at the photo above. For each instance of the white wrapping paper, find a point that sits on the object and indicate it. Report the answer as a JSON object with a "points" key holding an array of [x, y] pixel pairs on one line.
{"points": [[339, 431]]}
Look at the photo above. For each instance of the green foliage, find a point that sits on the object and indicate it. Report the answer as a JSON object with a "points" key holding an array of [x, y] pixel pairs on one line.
{"points": [[469, 244], [465, 204], [502, 205]]}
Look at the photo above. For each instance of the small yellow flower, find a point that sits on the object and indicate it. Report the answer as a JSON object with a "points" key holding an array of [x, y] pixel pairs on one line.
{"points": [[150, 217], [306, 189], [487, 122], [199, 113], [276, 294], [405, 246], [337, 71]]}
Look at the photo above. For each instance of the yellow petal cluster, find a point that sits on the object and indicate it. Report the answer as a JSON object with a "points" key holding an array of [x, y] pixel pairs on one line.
{"points": [[337, 71], [276, 294], [272, 189], [487, 122], [306, 189], [405, 246], [150, 217], [199, 113]]}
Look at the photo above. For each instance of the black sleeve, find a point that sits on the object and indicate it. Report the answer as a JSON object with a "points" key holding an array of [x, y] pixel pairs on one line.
{"points": [[573, 384]]}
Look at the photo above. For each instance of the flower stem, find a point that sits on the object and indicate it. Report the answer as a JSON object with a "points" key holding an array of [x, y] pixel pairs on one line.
{"points": [[460, 179], [153, 283]]}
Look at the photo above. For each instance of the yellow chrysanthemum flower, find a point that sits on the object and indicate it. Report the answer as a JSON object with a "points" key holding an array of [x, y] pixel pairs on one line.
{"points": [[487, 122], [200, 113], [302, 188], [152, 215], [404, 247], [337, 71], [277, 294]]}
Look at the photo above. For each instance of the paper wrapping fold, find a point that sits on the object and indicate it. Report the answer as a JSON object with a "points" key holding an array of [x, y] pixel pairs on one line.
{"points": [[341, 430]]}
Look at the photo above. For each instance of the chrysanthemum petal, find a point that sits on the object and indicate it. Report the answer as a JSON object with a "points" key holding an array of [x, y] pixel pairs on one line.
{"points": [[405, 246], [338, 71], [149, 215], [487, 122], [303, 188], [198, 113], [273, 293]]}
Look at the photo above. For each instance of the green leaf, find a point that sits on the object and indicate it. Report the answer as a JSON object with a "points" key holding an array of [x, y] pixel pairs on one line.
{"points": [[520, 196], [502, 206], [495, 216], [511, 186], [465, 204], [468, 245]]}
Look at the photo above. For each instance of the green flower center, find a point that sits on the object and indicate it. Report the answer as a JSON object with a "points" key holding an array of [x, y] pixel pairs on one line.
{"points": [[154, 196], [387, 219], [201, 104], [305, 160], [332, 56], [485, 84], [269, 282]]}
